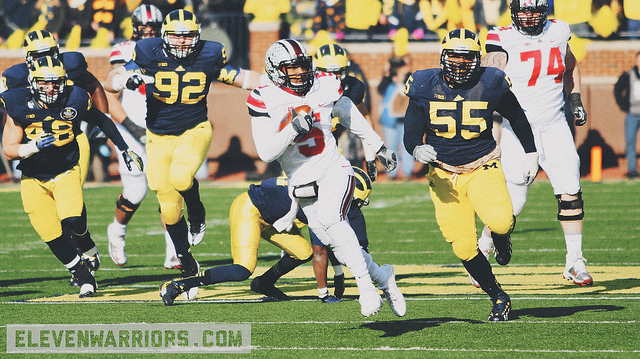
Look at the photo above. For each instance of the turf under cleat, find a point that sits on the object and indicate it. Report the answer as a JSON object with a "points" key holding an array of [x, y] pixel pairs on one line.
{"points": [[197, 226], [190, 270], [257, 285], [169, 291], [328, 298], [576, 271], [392, 292], [116, 245], [370, 301], [501, 308], [338, 286], [502, 248]]}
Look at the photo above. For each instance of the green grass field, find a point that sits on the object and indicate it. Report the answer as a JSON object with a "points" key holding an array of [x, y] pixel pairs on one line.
{"points": [[446, 316]]}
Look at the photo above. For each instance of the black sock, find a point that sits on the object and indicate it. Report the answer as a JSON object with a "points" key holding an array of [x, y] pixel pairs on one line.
{"points": [[285, 265], [230, 273], [63, 249], [192, 198], [179, 237], [480, 270]]}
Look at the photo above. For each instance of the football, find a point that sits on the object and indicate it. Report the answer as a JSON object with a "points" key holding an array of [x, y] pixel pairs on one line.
{"points": [[303, 109]]}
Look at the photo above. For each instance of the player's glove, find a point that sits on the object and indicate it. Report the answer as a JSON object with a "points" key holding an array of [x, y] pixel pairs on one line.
{"points": [[425, 154], [130, 80], [530, 170], [387, 158], [130, 156], [372, 170], [578, 109], [302, 123], [39, 143], [138, 132]]}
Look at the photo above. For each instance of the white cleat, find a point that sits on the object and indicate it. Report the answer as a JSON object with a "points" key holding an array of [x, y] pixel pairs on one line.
{"points": [[171, 262], [116, 245], [392, 293], [576, 271], [370, 302]]}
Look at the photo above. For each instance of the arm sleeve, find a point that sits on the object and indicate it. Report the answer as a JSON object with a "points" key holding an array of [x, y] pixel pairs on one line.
{"points": [[351, 118], [106, 125], [414, 126], [510, 108], [270, 143]]}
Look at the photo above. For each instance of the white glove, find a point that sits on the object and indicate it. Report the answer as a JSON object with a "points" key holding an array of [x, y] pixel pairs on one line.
{"points": [[387, 158], [130, 80], [530, 167], [43, 141], [425, 154]]}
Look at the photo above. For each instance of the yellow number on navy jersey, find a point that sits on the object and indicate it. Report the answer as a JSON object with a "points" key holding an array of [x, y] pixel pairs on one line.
{"points": [[61, 130], [471, 127], [169, 85]]}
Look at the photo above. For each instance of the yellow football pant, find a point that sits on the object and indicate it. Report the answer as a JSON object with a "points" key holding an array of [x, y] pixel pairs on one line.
{"points": [[459, 197], [49, 202], [172, 163], [247, 227], [85, 156]]}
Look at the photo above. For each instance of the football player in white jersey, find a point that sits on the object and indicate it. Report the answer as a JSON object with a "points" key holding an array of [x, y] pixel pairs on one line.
{"points": [[535, 54], [291, 123], [128, 111]]}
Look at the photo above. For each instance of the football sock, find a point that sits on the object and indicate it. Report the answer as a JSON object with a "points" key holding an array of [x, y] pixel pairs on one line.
{"points": [[192, 198], [574, 244], [285, 265], [86, 244], [179, 236], [378, 276], [323, 292], [63, 249], [480, 270]]}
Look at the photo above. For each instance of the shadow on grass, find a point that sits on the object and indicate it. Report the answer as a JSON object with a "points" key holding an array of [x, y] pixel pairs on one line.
{"points": [[397, 328], [558, 312]]}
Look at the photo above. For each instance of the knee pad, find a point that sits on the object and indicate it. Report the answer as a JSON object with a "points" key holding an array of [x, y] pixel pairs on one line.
{"points": [[126, 207], [74, 226], [171, 213], [181, 177], [505, 228], [570, 205]]}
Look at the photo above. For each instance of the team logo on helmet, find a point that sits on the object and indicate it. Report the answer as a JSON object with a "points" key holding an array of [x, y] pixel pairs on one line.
{"points": [[460, 44], [39, 43], [47, 70], [529, 16], [362, 191], [146, 16], [283, 56], [180, 23], [332, 58]]}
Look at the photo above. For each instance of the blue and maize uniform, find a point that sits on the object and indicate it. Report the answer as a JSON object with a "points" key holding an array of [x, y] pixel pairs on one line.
{"points": [[177, 100], [272, 199], [466, 180], [458, 121], [74, 64], [51, 186]]}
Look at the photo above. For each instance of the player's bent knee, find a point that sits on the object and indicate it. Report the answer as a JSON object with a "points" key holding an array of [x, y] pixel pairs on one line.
{"points": [[466, 250], [181, 178], [570, 209], [504, 227], [171, 213]]}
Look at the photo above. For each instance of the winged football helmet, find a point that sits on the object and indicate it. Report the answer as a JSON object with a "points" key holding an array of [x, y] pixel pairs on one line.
{"points": [[181, 23], [39, 43], [460, 43], [47, 69]]}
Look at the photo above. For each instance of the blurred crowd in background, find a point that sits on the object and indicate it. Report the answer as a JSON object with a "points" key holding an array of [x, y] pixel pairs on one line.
{"points": [[100, 23]]}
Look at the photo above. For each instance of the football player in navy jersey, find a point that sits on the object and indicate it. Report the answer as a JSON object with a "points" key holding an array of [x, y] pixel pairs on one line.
{"points": [[178, 69], [42, 124], [453, 107], [41, 43]]}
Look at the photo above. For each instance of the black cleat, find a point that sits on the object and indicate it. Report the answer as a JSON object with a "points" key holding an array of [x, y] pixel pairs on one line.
{"points": [[502, 248], [190, 269], [169, 291], [267, 289], [338, 285], [197, 226], [501, 308]]}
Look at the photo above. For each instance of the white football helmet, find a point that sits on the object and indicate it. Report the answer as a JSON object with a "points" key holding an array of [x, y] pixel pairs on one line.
{"points": [[146, 16], [529, 16], [284, 55]]}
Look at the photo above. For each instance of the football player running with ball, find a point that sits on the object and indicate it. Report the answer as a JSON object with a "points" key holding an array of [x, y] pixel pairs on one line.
{"points": [[42, 124], [535, 54], [453, 106], [128, 110], [291, 123], [178, 69]]}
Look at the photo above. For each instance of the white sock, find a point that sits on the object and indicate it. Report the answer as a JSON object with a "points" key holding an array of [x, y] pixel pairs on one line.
{"points": [[170, 249], [337, 270], [574, 244], [323, 292], [91, 252], [119, 227], [484, 244]]}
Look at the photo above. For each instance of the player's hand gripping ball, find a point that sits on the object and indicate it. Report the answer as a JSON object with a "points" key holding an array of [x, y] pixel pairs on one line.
{"points": [[301, 119]]}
